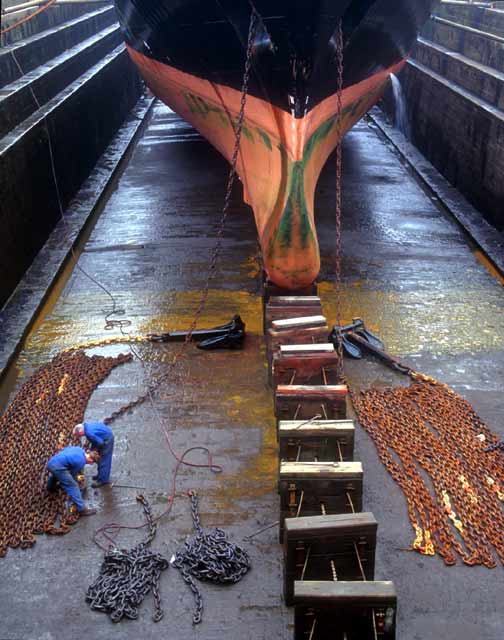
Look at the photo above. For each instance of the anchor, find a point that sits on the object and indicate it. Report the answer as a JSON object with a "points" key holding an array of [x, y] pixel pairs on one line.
{"points": [[356, 337], [225, 336]]}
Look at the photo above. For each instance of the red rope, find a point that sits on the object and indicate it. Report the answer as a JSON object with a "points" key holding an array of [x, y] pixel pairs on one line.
{"points": [[27, 18]]}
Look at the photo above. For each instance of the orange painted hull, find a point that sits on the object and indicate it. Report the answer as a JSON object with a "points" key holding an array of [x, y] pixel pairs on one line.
{"points": [[280, 158]]}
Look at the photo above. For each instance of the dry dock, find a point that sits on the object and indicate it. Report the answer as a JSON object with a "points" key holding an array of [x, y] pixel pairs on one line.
{"points": [[409, 271]]}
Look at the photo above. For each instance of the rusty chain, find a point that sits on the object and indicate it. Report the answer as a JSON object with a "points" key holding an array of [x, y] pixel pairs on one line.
{"points": [[37, 423], [434, 446]]}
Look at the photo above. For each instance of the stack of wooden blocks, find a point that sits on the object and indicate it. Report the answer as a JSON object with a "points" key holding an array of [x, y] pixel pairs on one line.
{"points": [[329, 543]]}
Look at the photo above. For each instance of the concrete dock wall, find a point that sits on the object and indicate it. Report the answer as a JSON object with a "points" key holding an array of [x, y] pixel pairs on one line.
{"points": [[454, 90], [82, 96]]}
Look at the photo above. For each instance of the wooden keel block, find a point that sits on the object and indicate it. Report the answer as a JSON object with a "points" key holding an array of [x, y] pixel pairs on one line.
{"points": [[295, 301], [272, 314], [271, 290], [345, 607], [299, 322], [305, 364], [304, 402], [306, 488], [311, 335], [322, 439], [311, 544]]}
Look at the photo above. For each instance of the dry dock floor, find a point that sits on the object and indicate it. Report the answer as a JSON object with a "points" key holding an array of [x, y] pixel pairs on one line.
{"points": [[409, 272]]}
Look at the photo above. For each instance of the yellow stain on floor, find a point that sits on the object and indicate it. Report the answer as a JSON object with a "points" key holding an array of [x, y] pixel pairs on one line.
{"points": [[449, 321]]}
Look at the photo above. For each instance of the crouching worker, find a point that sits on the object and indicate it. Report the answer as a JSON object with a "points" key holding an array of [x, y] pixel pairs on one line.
{"points": [[64, 468], [101, 439]]}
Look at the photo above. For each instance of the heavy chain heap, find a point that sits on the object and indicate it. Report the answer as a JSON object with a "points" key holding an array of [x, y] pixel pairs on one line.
{"points": [[433, 444], [38, 422], [127, 576], [209, 556]]}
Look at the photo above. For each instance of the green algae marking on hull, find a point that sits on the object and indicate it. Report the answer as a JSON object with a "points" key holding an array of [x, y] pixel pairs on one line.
{"points": [[199, 106], [265, 138], [296, 206]]}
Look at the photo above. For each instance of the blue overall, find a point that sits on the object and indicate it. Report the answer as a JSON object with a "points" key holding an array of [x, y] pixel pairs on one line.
{"points": [[64, 467], [102, 439]]}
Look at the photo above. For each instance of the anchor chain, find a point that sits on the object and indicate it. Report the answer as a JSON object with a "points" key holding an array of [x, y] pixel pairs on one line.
{"points": [[209, 556], [127, 576], [338, 288], [37, 423], [427, 429]]}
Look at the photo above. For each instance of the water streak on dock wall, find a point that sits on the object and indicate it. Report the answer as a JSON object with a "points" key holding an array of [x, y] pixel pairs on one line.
{"points": [[454, 88]]}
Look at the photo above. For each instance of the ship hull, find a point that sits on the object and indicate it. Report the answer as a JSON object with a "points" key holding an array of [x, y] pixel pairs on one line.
{"points": [[288, 131]]}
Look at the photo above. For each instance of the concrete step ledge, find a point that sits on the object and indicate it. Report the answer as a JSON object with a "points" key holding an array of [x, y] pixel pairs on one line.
{"points": [[82, 120], [480, 17], [484, 48], [42, 47], [56, 15], [47, 80], [482, 81]]}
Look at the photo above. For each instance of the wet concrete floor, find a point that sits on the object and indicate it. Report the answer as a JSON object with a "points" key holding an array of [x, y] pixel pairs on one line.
{"points": [[408, 270]]}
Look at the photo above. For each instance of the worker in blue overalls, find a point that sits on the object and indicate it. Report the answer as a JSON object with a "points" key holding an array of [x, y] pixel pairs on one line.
{"points": [[64, 467], [101, 439]]}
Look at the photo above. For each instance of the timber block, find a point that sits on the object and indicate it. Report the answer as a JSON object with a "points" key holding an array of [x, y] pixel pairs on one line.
{"points": [[311, 544], [291, 301], [341, 608], [305, 364], [271, 290], [321, 439], [312, 335], [306, 488], [272, 314], [295, 301], [304, 402]]}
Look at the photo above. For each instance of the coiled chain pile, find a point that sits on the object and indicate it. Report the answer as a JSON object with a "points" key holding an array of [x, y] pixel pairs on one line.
{"points": [[435, 447], [209, 556], [127, 576], [37, 423]]}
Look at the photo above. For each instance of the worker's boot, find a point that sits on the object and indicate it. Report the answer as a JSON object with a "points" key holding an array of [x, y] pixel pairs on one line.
{"points": [[87, 511], [97, 484]]}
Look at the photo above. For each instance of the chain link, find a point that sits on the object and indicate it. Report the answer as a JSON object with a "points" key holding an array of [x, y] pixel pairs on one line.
{"points": [[339, 127], [127, 576], [435, 447], [209, 556], [37, 423]]}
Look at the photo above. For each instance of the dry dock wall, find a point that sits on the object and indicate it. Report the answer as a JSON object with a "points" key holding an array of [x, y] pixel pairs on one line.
{"points": [[454, 89], [83, 95]]}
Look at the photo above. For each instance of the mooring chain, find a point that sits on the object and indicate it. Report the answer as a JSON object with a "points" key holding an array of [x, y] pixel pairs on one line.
{"points": [[208, 556], [338, 251], [127, 576], [427, 428], [37, 423]]}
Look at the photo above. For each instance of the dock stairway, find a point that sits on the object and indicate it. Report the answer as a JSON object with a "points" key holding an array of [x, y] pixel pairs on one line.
{"points": [[454, 86], [66, 72]]}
